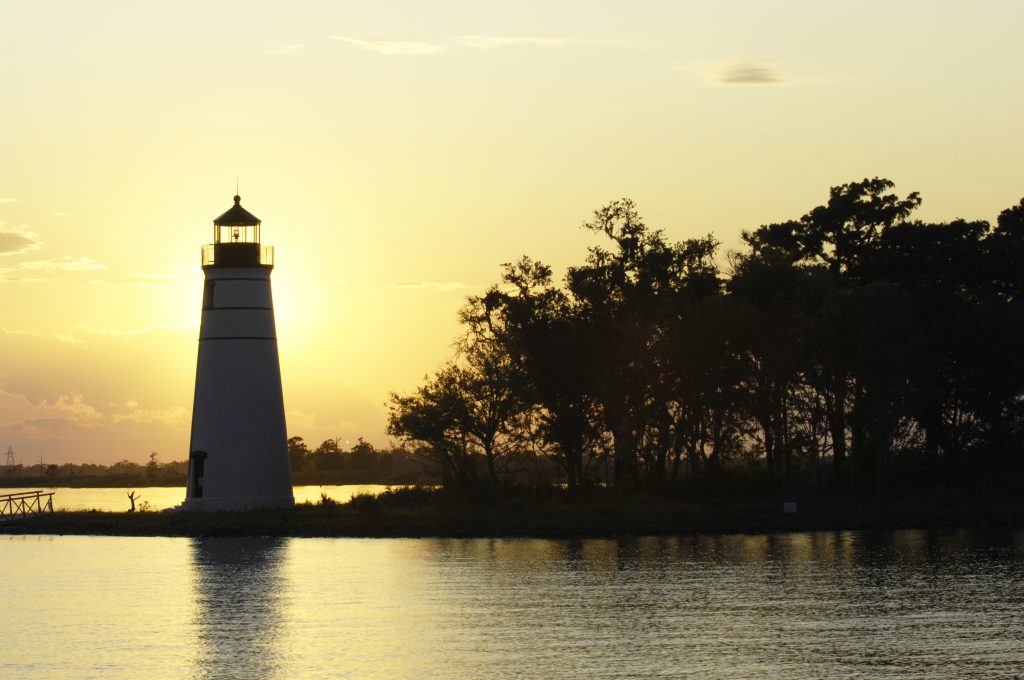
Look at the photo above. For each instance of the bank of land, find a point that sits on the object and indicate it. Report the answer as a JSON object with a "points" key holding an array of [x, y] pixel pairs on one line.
{"points": [[426, 512]]}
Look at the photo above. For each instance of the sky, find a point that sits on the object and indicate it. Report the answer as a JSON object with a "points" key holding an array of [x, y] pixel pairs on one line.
{"points": [[399, 152]]}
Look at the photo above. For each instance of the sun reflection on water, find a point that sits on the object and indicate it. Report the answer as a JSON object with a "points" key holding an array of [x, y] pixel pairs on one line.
{"points": [[239, 589], [906, 604]]}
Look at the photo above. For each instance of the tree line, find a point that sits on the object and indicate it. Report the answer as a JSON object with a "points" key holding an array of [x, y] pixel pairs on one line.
{"points": [[362, 463], [852, 349], [153, 472], [328, 463]]}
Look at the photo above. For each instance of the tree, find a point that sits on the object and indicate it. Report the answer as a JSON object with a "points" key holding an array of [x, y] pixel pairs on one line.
{"points": [[624, 295], [492, 385], [550, 348], [845, 236], [362, 454], [327, 456], [432, 418], [297, 453], [152, 467], [840, 233]]}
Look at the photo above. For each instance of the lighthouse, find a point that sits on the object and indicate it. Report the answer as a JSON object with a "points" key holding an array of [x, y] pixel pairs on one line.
{"points": [[238, 454]]}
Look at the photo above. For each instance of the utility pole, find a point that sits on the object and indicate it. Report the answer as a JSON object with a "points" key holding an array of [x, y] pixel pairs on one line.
{"points": [[40, 466]]}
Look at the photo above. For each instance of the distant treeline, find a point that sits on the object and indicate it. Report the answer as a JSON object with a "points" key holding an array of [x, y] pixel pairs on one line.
{"points": [[329, 463], [122, 473], [852, 349]]}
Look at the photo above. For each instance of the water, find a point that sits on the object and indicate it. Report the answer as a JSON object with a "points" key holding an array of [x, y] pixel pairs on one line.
{"points": [[162, 497], [908, 604]]}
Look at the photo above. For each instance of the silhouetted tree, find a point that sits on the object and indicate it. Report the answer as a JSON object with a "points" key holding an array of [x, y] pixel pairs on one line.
{"points": [[297, 453], [848, 348], [552, 349], [433, 417], [152, 467]]}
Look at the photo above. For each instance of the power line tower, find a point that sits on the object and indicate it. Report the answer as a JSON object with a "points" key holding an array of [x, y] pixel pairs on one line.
{"points": [[10, 457]]}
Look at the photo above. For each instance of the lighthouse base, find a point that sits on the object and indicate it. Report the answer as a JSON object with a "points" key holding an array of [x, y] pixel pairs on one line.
{"points": [[233, 504]]}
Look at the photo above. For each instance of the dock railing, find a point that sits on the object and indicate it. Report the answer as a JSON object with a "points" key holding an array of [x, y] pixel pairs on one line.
{"points": [[25, 504]]}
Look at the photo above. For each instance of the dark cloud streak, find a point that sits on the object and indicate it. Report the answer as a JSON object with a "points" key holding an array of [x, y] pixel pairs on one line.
{"points": [[749, 73], [15, 242]]}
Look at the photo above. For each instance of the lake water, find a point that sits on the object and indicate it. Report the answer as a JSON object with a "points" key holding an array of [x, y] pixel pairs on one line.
{"points": [[906, 604], [163, 497]]}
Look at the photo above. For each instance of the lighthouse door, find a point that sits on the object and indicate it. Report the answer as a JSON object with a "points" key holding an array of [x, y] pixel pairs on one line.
{"points": [[196, 465]]}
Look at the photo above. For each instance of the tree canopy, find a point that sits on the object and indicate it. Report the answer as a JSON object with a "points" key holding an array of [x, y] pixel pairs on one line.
{"points": [[853, 348]]}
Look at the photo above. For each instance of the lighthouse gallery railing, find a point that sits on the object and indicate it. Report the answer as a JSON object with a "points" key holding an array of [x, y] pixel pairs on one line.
{"points": [[210, 258]]}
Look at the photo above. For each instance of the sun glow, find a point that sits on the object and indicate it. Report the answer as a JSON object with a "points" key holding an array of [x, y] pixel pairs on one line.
{"points": [[396, 168]]}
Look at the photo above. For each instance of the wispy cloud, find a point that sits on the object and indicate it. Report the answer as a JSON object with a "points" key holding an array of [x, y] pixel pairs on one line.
{"points": [[82, 335], [61, 337], [4, 278], [740, 72], [491, 42], [74, 407], [277, 46], [300, 421], [60, 214], [132, 413], [139, 280], [18, 240], [750, 73], [8, 199], [67, 264], [392, 47], [61, 264], [60, 428], [441, 286]]}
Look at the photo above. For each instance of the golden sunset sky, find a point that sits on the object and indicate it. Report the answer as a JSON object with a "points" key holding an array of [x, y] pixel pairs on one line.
{"points": [[399, 152]]}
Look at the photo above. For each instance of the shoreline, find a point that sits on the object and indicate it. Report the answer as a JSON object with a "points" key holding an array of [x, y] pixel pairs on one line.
{"points": [[368, 518]]}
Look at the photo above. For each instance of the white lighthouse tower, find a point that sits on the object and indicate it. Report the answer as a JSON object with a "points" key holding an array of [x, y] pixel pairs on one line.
{"points": [[239, 450]]}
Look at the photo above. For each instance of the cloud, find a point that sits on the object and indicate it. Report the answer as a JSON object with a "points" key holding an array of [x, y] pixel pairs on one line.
{"points": [[50, 428], [71, 406], [8, 199], [71, 413], [74, 407], [81, 335], [139, 280], [392, 47], [750, 73], [60, 396], [741, 73], [62, 264], [18, 240], [60, 214], [484, 42], [60, 337], [133, 414], [113, 332], [22, 279], [298, 420], [441, 286], [281, 47]]}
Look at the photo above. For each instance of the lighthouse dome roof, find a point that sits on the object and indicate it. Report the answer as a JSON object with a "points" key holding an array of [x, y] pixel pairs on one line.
{"points": [[237, 216]]}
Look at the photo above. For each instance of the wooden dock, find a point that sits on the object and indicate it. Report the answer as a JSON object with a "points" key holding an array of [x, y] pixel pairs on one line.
{"points": [[25, 504]]}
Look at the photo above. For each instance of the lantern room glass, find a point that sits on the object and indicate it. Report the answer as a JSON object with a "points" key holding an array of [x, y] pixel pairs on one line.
{"points": [[229, 233]]}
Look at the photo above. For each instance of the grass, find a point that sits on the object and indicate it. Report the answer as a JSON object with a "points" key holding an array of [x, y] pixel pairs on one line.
{"points": [[552, 513]]}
